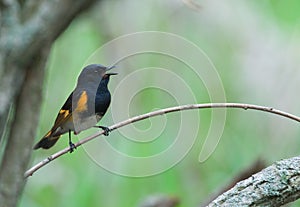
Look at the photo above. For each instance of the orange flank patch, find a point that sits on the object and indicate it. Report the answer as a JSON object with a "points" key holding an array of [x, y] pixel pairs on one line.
{"points": [[65, 113], [82, 102]]}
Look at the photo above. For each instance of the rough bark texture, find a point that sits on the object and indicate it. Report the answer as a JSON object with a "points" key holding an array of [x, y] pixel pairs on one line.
{"points": [[27, 30], [274, 186], [255, 167], [21, 40], [22, 133]]}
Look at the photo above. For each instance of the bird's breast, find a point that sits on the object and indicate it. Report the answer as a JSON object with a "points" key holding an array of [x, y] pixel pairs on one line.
{"points": [[102, 102]]}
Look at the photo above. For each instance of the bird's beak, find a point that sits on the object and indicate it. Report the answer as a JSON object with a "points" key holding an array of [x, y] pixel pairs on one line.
{"points": [[111, 67], [111, 73]]}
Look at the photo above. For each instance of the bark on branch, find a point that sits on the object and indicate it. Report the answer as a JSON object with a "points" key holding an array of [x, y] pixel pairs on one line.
{"points": [[22, 39], [276, 185], [22, 132]]}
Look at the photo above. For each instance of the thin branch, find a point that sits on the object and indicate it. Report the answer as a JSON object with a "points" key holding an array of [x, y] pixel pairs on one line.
{"points": [[161, 112]]}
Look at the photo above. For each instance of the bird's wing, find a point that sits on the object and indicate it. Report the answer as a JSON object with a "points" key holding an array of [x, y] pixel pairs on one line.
{"points": [[65, 113], [64, 116]]}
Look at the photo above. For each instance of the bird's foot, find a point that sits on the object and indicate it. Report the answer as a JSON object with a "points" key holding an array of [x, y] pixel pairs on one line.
{"points": [[72, 146], [105, 129]]}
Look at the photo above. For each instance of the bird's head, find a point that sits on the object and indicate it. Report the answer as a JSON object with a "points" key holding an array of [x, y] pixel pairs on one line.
{"points": [[95, 73]]}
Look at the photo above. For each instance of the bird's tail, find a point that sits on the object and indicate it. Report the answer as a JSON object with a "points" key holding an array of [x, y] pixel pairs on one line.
{"points": [[47, 141]]}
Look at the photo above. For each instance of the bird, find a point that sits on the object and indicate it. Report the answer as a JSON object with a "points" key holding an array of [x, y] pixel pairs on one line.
{"points": [[84, 107]]}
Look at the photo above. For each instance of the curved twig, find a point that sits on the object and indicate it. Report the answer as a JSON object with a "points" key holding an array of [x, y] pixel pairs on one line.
{"points": [[160, 112]]}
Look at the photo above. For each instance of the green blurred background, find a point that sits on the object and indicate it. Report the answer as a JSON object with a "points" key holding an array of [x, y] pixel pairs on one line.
{"points": [[254, 46]]}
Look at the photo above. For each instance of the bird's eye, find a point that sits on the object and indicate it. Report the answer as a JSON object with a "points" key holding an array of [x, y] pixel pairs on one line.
{"points": [[95, 71]]}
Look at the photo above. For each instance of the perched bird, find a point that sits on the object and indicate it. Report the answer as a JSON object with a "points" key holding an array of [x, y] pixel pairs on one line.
{"points": [[84, 108]]}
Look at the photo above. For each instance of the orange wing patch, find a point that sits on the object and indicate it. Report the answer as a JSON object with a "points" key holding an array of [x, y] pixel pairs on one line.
{"points": [[65, 113], [82, 102], [48, 134]]}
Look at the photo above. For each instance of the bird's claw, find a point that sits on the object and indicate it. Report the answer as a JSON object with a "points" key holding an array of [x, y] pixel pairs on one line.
{"points": [[105, 129], [72, 147]]}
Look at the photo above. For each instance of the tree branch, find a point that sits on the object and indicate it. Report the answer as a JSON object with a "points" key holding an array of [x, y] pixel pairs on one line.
{"points": [[22, 131], [25, 41], [274, 186], [161, 112], [255, 167], [51, 18], [21, 41]]}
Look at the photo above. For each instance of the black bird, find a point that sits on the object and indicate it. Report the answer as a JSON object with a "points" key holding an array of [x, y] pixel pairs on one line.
{"points": [[84, 108]]}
